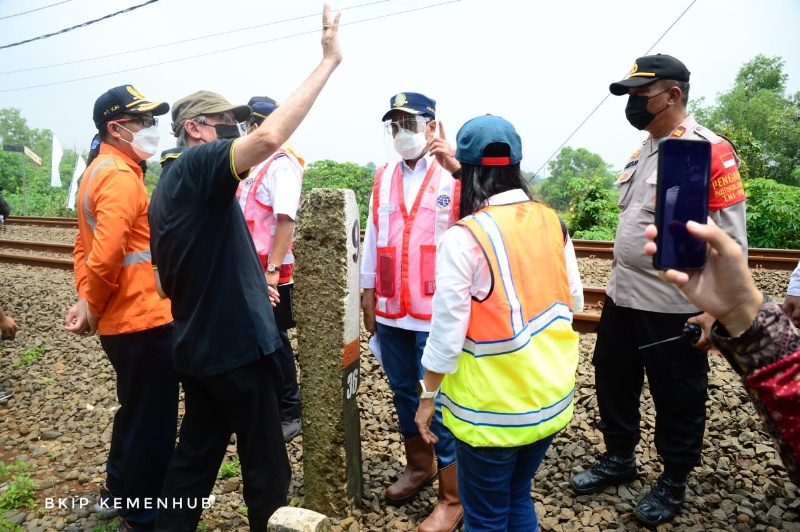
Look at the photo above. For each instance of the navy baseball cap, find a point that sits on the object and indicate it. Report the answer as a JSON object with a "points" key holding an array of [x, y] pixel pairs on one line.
{"points": [[124, 100], [649, 68], [412, 103], [261, 107], [476, 134]]}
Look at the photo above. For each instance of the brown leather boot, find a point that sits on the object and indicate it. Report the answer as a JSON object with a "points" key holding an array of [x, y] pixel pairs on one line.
{"points": [[420, 471], [448, 511]]}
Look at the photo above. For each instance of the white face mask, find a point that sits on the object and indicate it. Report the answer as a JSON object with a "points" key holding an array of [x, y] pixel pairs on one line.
{"points": [[409, 145], [145, 141]]}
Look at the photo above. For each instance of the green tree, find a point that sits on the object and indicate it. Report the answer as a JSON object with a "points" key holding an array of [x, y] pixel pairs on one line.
{"points": [[758, 116], [593, 212], [330, 174], [14, 130], [572, 164], [772, 220]]}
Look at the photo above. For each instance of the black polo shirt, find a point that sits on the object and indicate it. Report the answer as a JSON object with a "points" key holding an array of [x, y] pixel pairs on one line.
{"points": [[208, 264]]}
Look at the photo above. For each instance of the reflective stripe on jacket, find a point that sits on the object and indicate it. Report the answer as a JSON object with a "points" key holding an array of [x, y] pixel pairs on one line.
{"points": [[261, 218], [406, 239], [113, 270], [516, 375]]}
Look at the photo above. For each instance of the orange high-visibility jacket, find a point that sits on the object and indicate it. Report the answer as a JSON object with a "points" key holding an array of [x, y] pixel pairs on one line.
{"points": [[113, 270]]}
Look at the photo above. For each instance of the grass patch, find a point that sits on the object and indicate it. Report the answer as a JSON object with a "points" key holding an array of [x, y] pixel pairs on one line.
{"points": [[29, 356], [8, 526], [108, 526], [19, 492], [230, 469]]}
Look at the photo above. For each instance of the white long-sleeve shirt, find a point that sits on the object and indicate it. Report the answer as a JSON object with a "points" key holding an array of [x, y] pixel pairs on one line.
{"points": [[463, 273], [794, 282]]}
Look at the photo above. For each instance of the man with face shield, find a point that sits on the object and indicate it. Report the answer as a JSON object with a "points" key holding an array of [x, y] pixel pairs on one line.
{"points": [[414, 201], [118, 300], [640, 309]]}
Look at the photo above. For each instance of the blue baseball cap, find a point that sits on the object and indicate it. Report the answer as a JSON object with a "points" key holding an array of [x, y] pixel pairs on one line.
{"points": [[261, 107], [412, 103], [476, 134], [124, 99]]}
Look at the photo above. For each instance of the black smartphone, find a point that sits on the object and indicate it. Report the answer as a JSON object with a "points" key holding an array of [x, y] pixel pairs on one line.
{"points": [[684, 174]]}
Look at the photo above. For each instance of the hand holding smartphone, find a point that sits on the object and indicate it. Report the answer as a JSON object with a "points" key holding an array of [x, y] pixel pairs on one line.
{"points": [[684, 174]]}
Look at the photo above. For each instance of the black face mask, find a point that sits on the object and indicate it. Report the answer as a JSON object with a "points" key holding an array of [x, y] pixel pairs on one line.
{"points": [[636, 110], [229, 131]]}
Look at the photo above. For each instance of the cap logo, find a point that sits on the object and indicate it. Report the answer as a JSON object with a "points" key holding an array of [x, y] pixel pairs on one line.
{"points": [[114, 108], [400, 100], [636, 74], [136, 96]]}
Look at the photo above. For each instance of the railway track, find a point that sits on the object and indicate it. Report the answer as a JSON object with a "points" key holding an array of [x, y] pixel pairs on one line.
{"points": [[585, 322], [758, 258]]}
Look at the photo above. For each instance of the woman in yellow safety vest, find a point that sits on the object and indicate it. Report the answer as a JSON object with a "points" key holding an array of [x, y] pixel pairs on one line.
{"points": [[501, 350]]}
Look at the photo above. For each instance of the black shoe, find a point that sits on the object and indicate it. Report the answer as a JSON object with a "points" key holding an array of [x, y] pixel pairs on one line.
{"points": [[663, 501], [5, 396], [611, 470]]}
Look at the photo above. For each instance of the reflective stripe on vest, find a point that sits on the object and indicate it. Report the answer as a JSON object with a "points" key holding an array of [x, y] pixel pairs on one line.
{"points": [[406, 239], [515, 380], [523, 419], [134, 257], [89, 216]]}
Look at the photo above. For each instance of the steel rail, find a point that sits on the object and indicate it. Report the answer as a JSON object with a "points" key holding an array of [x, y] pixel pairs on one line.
{"points": [[758, 258], [37, 247]]}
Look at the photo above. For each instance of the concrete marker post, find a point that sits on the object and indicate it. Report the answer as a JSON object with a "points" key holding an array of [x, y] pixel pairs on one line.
{"points": [[327, 307]]}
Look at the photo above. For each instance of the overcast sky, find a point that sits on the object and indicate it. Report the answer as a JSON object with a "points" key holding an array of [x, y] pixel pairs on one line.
{"points": [[543, 65]]}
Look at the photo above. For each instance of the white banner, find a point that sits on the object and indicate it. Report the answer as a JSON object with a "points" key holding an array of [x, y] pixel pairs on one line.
{"points": [[80, 167], [55, 177]]}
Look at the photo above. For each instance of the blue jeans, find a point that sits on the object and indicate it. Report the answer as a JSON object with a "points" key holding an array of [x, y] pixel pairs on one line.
{"points": [[401, 351], [495, 486]]}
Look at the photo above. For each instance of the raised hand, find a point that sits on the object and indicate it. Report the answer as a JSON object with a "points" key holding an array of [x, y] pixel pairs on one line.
{"points": [[440, 148], [331, 49]]}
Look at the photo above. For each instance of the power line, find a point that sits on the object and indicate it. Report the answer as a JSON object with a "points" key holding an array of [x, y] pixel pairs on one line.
{"points": [[65, 30], [209, 36], [606, 96], [126, 70], [32, 10]]}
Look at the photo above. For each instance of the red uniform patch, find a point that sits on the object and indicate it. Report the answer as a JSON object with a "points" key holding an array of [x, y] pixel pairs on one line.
{"points": [[679, 131], [726, 183]]}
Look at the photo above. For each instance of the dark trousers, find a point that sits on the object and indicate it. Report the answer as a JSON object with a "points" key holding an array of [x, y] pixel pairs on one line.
{"points": [[677, 374], [243, 401], [290, 395], [143, 435]]}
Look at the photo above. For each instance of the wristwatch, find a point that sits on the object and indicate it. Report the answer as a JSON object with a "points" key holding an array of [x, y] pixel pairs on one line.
{"points": [[272, 268], [424, 393]]}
